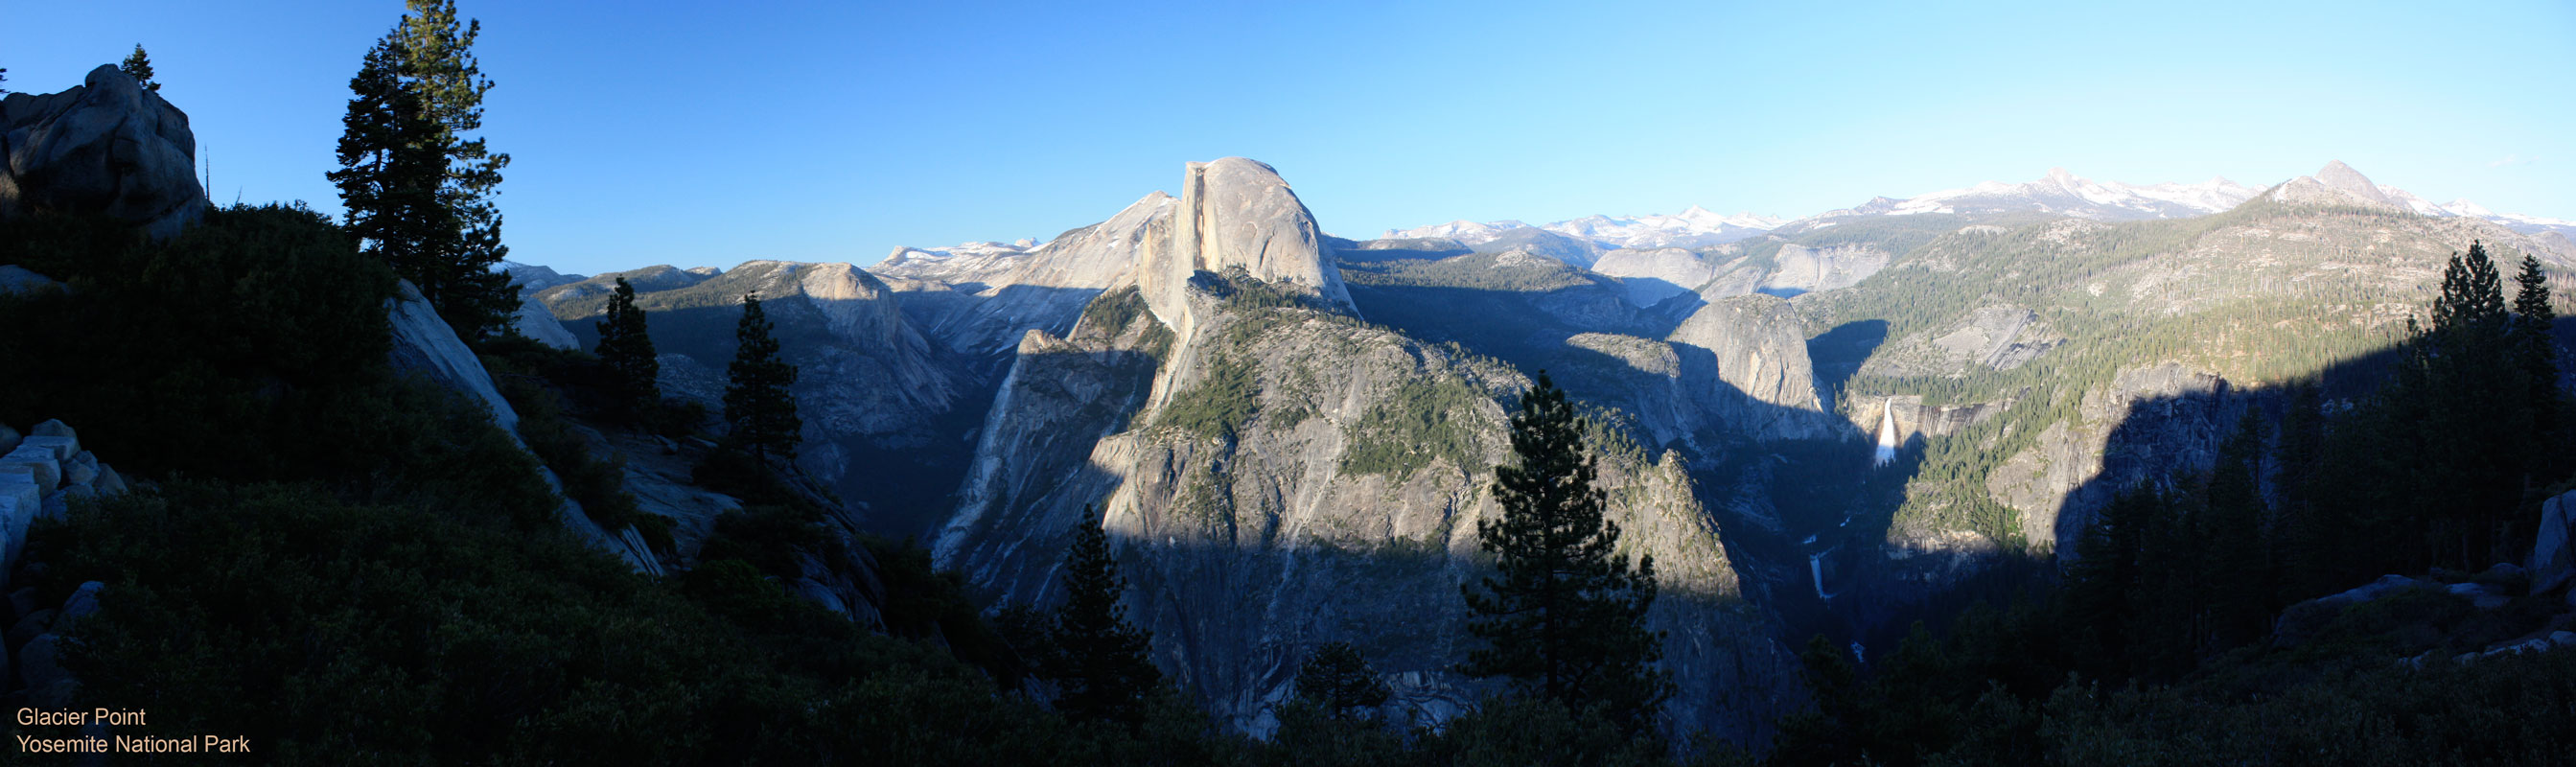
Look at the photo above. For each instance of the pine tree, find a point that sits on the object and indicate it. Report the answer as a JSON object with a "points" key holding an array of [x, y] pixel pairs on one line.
{"points": [[139, 66], [1565, 616], [418, 94], [1099, 662], [2535, 350], [758, 406], [1339, 681], [626, 346], [2477, 392], [2240, 573], [391, 173]]}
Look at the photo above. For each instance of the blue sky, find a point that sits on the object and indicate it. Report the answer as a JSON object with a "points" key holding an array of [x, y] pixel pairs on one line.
{"points": [[664, 132]]}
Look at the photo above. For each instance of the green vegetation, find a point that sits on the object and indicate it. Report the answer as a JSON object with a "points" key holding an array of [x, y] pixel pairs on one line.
{"points": [[1336, 679], [1417, 423], [1474, 272], [1221, 403]]}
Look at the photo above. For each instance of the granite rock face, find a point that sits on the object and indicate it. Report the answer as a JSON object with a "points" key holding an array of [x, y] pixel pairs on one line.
{"points": [[106, 146], [1235, 212], [1749, 354], [1287, 476]]}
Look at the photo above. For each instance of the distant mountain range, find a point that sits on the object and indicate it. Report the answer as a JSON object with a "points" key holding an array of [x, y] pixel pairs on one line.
{"points": [[2059, 193]]}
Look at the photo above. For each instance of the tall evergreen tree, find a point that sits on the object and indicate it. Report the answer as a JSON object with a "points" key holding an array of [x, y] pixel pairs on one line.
{"points": [[2307, 541], [418, 95], [1338, 680], [1564, 617], [391, 173], [2477, 392], [139, 66], [2535, 350], [2241, 572], [626, 346], [1099, 662], [758, 406]]}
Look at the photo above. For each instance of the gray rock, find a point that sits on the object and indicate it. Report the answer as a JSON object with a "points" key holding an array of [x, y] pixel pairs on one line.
{"points": [[8, 437], [108, 146], [39, 463], [63, 447], [2552, 561], [22, 602], [18, 280], [536, 322], [82, 604], [1750, 354], [1236, 212], [109, 483], [2562, 638], [424, 344], [54, 427], [82, 469], [2300, 622], [56, 505]]}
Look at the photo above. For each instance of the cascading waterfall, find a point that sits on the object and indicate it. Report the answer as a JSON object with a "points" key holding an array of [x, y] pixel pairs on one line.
{"points": [[1887, 433]]}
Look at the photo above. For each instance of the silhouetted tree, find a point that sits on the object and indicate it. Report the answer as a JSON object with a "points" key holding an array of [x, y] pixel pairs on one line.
{"points": [[1564, 617], [1336, 679], [138, 65], [758, 405], [626, 346], [1099, 662], [418, 192], [2477, 393], [2535, 350]]}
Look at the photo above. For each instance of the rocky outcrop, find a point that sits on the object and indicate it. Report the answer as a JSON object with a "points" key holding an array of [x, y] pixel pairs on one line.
{"points": [[876, 397], [1306, 479], [107, 146], [1235, 212], [2149, 421], [40, 474], [2553, 562], [534, 320], [1749, 355], [1992, 338], [424, 344], [1654, 275], [980, 298]]}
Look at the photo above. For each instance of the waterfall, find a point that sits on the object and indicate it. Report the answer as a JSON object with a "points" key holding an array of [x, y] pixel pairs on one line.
{"points": [[1887, 432]]}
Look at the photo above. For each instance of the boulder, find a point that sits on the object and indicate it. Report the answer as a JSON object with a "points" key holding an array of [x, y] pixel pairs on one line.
{"points": [[2480, 595], [39, 463], [82, 469], [57, 504], [537, 322], [109, 483], [63, 447], [16, 279], [2300, 622], [8, 437], [108, 146], [82, 603], [2552, 561], [22, 602], [54, 427]]}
